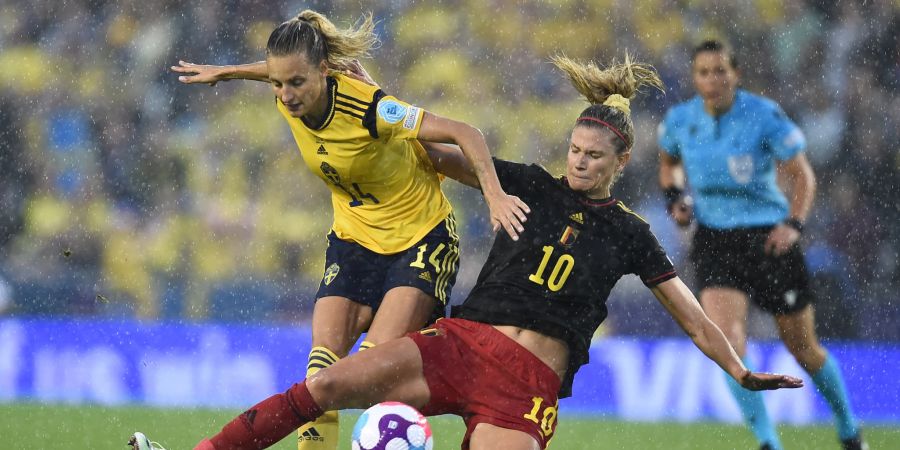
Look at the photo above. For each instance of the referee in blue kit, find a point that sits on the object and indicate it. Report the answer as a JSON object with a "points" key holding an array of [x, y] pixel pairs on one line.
{"points": [[727, 144]]}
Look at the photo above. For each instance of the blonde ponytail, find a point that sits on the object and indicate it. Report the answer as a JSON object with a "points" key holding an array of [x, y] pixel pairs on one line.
{"points": [[609, 91], [620, 80], [343, 46]]}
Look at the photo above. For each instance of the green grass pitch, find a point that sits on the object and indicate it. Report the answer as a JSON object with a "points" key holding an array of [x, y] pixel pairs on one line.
{"points": [[38, 426]]}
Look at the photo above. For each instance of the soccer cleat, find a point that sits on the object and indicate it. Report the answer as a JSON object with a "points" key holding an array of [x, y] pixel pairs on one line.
{"points": [[854, 443], [319, 435], [140, 442], [765, 446]]}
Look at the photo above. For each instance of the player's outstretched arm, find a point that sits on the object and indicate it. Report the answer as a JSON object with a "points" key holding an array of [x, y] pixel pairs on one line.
{"points": [[507, 211], [686, 310], [210, 74]]}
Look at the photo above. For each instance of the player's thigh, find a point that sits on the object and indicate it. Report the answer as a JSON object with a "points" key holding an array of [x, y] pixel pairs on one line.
{"points": [[338, 322], [727, 308], [798, 332], [491, 437], [402, 310], [392, 371]]}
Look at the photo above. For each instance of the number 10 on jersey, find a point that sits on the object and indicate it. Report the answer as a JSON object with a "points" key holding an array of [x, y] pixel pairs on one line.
{"points": [[560, 273]]}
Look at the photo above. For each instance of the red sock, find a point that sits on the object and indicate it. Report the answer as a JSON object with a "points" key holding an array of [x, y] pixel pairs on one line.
{"points": [[269, 421]]}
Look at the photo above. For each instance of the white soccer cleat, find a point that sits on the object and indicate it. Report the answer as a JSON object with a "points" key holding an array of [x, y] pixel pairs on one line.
{"points": [[140, 442]]}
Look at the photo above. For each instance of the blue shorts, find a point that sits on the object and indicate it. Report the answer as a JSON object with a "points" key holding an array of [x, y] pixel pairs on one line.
{"points": [[355, 272]]}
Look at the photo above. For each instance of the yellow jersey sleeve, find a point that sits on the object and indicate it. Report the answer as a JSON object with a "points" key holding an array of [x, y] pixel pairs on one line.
{"points": [[396, 119]]}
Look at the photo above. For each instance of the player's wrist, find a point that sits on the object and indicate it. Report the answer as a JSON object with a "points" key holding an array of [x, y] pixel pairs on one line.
{"points": [[794, 223], [673, 194]]}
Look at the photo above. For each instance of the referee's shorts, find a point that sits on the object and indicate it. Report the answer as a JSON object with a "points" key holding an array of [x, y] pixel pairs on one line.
{"points": [[736, 258]]}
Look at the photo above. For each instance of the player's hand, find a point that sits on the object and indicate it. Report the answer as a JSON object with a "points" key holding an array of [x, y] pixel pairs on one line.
{"points": [[758, 381], [509, 212], [682, 211], [200, 73], [356, 71], [781, 239]]}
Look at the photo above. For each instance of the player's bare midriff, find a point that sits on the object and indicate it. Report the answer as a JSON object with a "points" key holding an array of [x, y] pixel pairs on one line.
{"points": [[553, 352]]}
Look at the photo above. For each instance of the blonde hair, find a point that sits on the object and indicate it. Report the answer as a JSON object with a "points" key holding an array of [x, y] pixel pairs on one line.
{"points": [[609, 90], [312, 34]]}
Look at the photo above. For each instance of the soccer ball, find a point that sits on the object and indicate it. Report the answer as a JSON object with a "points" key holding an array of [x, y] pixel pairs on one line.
{"points": [[392, 426]]}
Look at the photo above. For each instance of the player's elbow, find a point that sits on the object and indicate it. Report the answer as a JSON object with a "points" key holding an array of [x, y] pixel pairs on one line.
{"points": [[470, 133]]}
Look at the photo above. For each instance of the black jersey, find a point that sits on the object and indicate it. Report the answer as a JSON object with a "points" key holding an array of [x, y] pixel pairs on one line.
{"points": [[556, 278]]}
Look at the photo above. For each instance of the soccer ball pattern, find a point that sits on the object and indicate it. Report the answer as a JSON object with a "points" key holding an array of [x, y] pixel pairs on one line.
{"points": [[392, 426]]}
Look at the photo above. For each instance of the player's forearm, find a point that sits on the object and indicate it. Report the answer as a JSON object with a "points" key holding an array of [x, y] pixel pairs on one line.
{"points": [[675, 296], [473, 145], [713, 343], [802, 192], [258, 71], [450, 161], [797, 175]]}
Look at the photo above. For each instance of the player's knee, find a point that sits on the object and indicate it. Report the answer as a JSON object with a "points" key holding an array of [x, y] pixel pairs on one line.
{"points": [[321, 381], [808, 355], [329, 384]]}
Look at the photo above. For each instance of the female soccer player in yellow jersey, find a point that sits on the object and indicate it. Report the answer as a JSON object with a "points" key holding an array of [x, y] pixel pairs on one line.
{"points": [[393, 250]]}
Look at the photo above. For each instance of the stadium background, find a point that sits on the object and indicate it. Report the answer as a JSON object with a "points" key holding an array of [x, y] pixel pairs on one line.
{"points": [[136, 206]]}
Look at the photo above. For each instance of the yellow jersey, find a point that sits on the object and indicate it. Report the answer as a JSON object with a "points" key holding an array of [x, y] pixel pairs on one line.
{"points": [[385, 192]]}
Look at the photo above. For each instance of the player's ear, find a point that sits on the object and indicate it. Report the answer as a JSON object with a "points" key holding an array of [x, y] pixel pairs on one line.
{"points": [[623, 159]]}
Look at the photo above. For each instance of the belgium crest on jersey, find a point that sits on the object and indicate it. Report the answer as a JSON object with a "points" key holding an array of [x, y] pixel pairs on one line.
{"points": [[331, 273], [568, 236], [571, 232]]}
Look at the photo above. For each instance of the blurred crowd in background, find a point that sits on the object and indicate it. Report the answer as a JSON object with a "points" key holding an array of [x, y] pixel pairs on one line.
{"points": [[127, 194]]}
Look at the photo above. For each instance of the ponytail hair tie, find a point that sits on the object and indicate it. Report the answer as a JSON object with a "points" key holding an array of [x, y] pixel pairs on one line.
{"points": [[619, 102]]}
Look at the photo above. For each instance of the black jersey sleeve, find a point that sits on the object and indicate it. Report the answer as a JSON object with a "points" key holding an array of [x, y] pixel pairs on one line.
{"points": [[649, 260], [517, 177]]}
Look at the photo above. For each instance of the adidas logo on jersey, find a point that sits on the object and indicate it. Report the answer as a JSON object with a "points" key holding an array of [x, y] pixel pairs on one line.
{"points": [[312, 435], [321, 150], [426, 276], [578, 217]]}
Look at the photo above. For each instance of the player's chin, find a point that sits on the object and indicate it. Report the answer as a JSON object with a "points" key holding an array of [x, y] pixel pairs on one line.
{"points": [[294, 110], [579, 184]]}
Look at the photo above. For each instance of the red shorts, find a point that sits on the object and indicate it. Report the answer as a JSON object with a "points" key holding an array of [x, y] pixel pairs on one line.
{"points": [[481, 375]]}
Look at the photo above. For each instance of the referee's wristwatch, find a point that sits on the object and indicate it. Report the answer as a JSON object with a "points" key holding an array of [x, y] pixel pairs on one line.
{"points": [[794, 223]]}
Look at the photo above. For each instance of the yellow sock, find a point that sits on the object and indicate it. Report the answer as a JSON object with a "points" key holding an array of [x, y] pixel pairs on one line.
{"points": [[323, 433], [365, 345], [319, 358]]}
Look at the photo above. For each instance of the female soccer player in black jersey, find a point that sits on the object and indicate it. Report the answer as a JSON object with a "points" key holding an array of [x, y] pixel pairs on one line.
{"points": [[513, 347], [393, 250]]}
